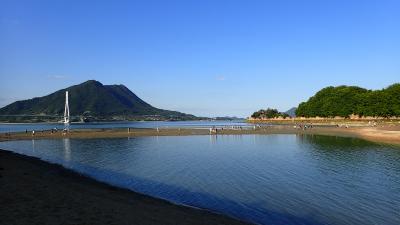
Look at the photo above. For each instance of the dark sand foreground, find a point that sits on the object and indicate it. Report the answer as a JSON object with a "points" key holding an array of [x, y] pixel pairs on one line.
{"points": [[36, 192]]}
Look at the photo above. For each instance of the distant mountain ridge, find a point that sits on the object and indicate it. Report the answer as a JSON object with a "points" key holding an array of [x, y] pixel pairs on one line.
{"points": [[92, 98], [292, 112]]}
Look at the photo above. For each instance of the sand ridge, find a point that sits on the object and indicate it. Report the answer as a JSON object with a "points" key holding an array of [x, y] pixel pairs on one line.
{"points": [[383, 134]]}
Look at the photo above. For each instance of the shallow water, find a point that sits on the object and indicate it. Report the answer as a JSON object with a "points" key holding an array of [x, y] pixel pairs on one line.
{"points": [[15, 127], [267, 179]]}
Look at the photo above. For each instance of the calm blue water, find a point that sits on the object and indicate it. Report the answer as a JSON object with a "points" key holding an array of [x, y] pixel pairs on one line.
{"points": [[4, 127], [267, 179]]}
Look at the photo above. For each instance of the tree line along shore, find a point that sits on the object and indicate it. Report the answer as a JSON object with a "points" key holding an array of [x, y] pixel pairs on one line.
{"points": [[343, 102]]}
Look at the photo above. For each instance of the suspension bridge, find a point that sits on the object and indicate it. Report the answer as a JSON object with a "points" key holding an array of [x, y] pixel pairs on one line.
{"points": [[65, 119]]}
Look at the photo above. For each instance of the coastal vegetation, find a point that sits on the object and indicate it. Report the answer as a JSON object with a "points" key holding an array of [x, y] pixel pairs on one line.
{"points": [[269, 114], [345, 101]]}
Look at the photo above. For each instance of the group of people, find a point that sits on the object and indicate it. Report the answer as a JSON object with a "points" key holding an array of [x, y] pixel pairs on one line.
{"points": [[214, 129], [256, 126], [53, 130], [33, 132], [236, 127], [304, 126]]}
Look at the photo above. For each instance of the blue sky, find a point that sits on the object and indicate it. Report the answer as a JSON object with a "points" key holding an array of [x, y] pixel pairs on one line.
{"points": [[208, 58]]}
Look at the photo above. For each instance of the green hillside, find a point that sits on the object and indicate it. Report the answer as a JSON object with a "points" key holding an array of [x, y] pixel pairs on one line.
{"points": [[96, 100], [268, 114], [347, 100]]}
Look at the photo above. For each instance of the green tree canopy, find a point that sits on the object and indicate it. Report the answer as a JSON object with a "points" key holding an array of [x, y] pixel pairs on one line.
{"points": [[347, 100], [268, 113]]}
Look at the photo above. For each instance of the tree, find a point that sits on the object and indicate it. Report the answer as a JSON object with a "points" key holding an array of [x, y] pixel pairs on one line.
{"points": [[347, 100], [268, 113]]}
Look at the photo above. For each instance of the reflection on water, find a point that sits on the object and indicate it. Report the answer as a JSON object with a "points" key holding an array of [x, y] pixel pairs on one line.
{"points": [[67, 149], [33, 146], [268, 179]]}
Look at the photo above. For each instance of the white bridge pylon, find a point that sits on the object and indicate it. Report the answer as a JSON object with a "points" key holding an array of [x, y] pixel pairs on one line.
{"points": [[66, 112]]}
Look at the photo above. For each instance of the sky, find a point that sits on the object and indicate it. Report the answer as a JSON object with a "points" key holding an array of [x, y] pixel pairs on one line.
{"points": [[207, 58]]}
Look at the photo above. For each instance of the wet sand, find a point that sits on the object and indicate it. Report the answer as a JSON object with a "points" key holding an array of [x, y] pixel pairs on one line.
{"points": [[384, 134], [36, 192]]}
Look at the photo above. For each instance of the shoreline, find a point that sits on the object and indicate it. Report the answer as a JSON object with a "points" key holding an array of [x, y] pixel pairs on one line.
{"points": [[36, 191], [388, 134]]}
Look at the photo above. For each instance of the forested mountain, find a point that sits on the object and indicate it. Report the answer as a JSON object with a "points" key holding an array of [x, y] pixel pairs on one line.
{"points": [[96, 100]]}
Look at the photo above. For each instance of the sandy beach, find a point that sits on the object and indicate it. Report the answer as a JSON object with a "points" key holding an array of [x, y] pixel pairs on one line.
{"points": [[37, 192], [386, 133]]}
